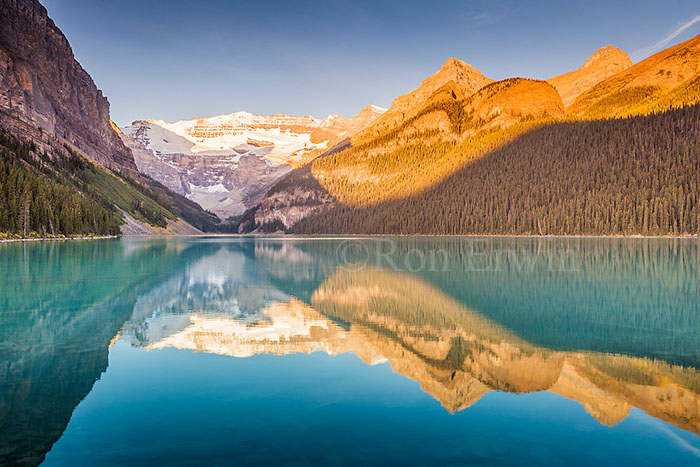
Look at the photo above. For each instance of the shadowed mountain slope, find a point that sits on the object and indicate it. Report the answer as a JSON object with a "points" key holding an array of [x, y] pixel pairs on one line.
{"points": [[642, 178]]}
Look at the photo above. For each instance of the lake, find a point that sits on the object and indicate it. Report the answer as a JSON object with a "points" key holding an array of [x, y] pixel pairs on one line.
{"points": [[330, 351]]}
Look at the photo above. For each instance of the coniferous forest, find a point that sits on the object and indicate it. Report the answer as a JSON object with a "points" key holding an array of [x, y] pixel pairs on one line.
{"points": [[34, 201], [60, 193], [632, 176]]}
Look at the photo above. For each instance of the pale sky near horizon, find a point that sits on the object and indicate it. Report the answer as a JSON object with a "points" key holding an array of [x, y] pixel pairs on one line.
{"points": [[177, 59]]}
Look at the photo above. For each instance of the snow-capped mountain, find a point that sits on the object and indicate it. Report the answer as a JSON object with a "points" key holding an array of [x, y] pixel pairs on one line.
{"points": [[226, 163]]}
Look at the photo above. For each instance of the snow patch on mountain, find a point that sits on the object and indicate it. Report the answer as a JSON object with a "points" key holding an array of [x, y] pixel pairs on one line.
{"points": [[226, 163], [281, 139]]}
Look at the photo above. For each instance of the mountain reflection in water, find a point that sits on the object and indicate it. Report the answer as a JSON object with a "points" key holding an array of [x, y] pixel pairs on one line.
{"points": [[247, 297], [455, 354]]}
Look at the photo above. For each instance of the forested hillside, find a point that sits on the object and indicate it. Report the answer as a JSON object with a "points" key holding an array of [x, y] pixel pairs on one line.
{"points": [[61, 193], [432, 165], [638, 175], [34, 202]]}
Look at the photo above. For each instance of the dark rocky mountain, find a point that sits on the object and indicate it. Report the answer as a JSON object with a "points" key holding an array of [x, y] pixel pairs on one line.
{"points": [[43, 87], [64, 167]]}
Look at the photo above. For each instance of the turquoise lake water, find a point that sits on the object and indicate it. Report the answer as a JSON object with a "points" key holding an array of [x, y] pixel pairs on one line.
{"points": [[319, 351]]}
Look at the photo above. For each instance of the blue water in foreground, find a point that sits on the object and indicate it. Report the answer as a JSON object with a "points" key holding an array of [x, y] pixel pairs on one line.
{"points": [[412, 351]]}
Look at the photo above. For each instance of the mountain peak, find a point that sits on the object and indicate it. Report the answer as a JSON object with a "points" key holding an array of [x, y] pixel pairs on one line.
{"points": [[462, 73], [370, 112], [465, 78], [454, 63], [652, 77], [608, 54], [364, 118], [374, 109], [604, 63]]}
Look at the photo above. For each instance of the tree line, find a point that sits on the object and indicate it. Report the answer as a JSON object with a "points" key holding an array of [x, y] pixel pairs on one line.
{"points": [[637, 175], [45, 193], [34, 201]]}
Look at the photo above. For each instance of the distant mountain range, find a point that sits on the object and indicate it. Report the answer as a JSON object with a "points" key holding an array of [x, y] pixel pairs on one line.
{"points": [[227, 163], [247, 173]]}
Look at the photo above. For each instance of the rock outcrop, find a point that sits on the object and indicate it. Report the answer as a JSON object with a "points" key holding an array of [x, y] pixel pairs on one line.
{"points": [[464, 76], [504, 103], [42, 86]]}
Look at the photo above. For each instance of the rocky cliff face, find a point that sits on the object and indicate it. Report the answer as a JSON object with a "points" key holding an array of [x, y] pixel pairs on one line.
{"points": [[604, 63], [227, 163], [465, 77], [293, 198], [43, 86]]}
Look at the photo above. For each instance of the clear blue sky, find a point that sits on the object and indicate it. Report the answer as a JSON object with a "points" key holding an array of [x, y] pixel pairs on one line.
{"points": [[177, 59]]}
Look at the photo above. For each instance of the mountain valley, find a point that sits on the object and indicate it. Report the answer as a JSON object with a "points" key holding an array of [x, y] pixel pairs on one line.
{"points": [[242, 173], [227, 163]]}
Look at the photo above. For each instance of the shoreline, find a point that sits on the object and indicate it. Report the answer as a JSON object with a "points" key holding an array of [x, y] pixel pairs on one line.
{"points": [[55, 239], [344, 236], [553, 237]]}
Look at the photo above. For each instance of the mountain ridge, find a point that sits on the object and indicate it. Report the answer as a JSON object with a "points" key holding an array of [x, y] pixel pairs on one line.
{"points": [[466, 77], [276, 170], [643, 87], [453, 129], [605, 62], [226, 163]]}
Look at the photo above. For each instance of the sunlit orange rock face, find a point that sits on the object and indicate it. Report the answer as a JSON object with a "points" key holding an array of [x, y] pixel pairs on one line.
{"points": [[506, 102], [604, 63], [669, 78], [465, 78]]}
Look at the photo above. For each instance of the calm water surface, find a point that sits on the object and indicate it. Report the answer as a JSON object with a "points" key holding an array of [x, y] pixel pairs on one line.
{"points": [[249, 351]]}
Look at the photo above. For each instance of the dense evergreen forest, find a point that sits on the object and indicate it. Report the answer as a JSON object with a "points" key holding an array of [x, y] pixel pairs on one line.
{"points": [[61, 193], [638, 175], [188, 210], [35, 202], [402, 162]]}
